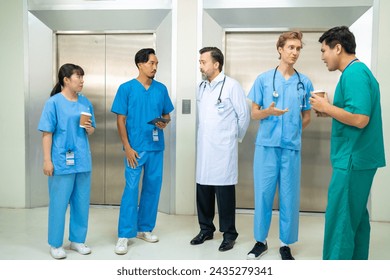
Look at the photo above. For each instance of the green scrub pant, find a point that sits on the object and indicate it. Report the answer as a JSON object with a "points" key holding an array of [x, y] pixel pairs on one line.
{"points": [[347, 222]]}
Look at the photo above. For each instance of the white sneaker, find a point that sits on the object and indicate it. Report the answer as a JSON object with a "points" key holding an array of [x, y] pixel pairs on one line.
{"points": [[121, 246], [80, 247], [57, 253], [147, 236]]}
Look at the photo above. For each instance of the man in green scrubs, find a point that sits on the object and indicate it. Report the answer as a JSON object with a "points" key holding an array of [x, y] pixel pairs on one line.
{"points": [[357, 148]]}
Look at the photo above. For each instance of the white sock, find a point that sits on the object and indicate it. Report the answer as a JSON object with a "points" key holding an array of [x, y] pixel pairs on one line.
{"points": [[283, 244]]}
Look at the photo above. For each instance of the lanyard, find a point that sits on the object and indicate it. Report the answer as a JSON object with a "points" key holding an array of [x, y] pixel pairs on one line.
{"points": [[352, 61]]}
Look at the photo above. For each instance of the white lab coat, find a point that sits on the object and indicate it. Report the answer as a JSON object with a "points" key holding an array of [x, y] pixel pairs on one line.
{"points": [[220, 128]]}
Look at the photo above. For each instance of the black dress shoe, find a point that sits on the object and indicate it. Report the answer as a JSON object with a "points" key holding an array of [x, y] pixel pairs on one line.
{"points": [[226, 244], [200, 238]]}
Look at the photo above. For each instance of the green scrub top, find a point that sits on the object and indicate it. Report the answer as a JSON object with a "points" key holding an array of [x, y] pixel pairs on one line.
{"points": [[353, 148]]}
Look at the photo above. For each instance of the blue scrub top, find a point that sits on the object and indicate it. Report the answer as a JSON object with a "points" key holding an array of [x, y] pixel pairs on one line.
{"points": [[281, 131], [61, 117], [140, 106]]}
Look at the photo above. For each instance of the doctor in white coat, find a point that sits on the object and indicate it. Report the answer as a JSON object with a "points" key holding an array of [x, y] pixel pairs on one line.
{"points": [[223, 118]]}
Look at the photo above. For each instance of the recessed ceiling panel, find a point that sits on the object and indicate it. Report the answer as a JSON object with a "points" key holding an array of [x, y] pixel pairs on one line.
{"points": [[288, 17], [101, 20]]}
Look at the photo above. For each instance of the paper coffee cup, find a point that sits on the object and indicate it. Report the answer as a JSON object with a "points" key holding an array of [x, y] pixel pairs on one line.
{"points": [[84, 116], [319, 92]]}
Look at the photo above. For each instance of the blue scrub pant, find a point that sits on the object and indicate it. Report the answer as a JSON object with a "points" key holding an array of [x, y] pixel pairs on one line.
{"points": [[73, 189], [347, 222], [135, 218], [282, 167]]}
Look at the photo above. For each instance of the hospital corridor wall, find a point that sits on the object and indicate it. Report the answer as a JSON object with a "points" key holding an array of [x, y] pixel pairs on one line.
{"points": [[29, 66]]}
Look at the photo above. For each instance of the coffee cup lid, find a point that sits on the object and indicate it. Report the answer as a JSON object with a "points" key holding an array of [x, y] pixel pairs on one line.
{"points": [[318, 90]]}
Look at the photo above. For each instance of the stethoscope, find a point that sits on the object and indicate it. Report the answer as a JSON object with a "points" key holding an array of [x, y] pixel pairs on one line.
{"points": [[219, 100], [300, 86]]}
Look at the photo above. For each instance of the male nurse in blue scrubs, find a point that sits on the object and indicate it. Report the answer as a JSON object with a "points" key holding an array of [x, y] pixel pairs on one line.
{"points": [[137, 103], [280, 101]]}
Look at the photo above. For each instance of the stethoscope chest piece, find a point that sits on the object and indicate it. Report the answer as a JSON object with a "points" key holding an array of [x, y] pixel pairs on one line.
{"points": [[300, 85]]}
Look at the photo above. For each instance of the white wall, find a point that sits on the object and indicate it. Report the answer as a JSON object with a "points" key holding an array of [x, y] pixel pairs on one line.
{"points": [[40, 82], [185, 37], [13, 25], [164, 74], [380, 194], [213, 34], [362, 29], [369, 31]]}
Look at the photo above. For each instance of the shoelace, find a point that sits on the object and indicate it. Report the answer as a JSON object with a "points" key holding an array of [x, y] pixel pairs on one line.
{"points": [[122, 242]]}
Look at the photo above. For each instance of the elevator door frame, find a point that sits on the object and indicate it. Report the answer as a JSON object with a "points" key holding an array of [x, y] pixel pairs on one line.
{"points": [[101, 81]]}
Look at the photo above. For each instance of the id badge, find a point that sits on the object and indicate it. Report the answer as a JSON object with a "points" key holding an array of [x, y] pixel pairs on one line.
{"points": [[220, 107], [69, 158], [155, 135]]}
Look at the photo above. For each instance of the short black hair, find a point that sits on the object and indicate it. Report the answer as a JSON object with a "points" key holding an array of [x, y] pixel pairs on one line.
{"points": [[142, 55], [340, 35], [216, 55], [66, 71]]}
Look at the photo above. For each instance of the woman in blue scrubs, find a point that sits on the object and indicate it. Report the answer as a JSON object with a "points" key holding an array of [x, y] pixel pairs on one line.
{"points": [[67, 160], [280, 101]]}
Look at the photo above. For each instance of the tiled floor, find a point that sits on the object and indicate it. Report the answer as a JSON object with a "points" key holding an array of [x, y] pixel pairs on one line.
{"points": [[23, 236]]}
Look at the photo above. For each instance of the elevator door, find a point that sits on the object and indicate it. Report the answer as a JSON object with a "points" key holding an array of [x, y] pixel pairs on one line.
{"points": [[248, 55], [108, 61]]}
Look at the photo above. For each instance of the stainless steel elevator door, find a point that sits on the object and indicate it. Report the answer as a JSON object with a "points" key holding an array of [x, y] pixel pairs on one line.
{"points": [[247, 56], [108, 61]]}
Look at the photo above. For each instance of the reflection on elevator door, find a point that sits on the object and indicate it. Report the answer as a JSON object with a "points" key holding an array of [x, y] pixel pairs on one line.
{"points": [[247, 55], [108, 61]]}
